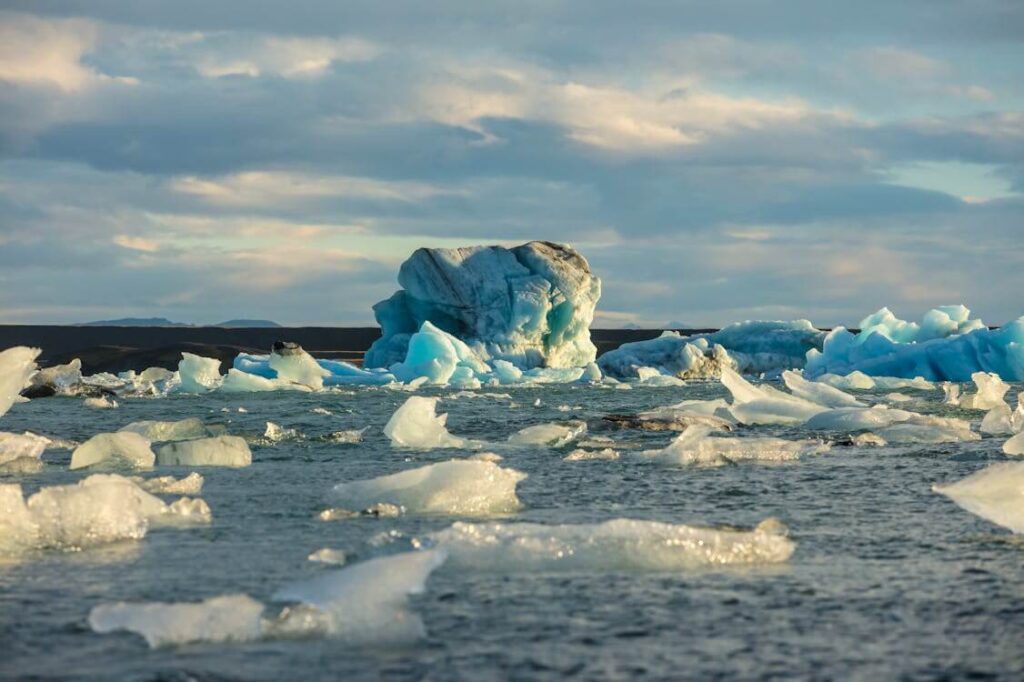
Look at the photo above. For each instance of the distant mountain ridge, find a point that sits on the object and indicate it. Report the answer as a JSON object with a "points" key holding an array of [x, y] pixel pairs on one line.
{"points": [[164, 322]]}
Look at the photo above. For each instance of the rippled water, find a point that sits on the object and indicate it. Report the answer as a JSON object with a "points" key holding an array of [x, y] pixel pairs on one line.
{"points": [[889, 580]]}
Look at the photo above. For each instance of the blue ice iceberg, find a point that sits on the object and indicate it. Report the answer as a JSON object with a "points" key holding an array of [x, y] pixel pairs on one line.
{"points": [[946, 346], [530, 305]]}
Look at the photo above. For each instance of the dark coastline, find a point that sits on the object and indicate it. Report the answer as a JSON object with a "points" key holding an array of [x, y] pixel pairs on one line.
{"points": [[115, 349]]}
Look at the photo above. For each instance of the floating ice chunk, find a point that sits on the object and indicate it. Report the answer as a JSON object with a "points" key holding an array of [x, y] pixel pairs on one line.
{"points": [[185, 429], [458, 487], [486, 457], [220, 451], [765, 405], [929, 429], [616, 545], [438, 356], [696, 446], [169, 485], [238, 381], [950, 394], [227, 618], [866, 439], [847, 419], [123, 448], [822, 394], [898, 398], [591, 373], [198, 374], [322, 410], [327, 555], [16, 367], [997, 421], [295, 365], [991, 390], [550, 435], [1015, 445], [675, 417], [996, 494], [416, 424], [100, 403], [347, 437], [363, 603], [275, 433], [24, 445], [100, 509], [651, 376], [61, 378], [855, 380], [185, 511], [580, 455]]}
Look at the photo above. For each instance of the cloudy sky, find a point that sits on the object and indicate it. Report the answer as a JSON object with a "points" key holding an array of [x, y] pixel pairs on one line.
{"points": [[205, 160]]}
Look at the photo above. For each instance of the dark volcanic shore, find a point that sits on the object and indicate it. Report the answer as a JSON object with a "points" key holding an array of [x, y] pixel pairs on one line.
{"points": [[116, 349]]}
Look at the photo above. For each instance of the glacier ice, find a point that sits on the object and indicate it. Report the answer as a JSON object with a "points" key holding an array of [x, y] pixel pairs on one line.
{"points": [[1015, 445], [185, 429], [764, 404], [695, 446], [100, 403], [227, 618], [198, 374], [237, 381], [326, 555], [61, 378], [438, 356], [100, 509], [821, 394], [15, 446], [531, 305], [848, 419], [950, 394], [928, 429], [855, 380], [16, 367], [946, 346], [996, 494], [458, 487], [218, 451], [581, 455], [416, 424], [294, 365], [748, 347], [550, 435], [990, 391], [169, 485], [619, 544], [275, 433], [124, 448]]}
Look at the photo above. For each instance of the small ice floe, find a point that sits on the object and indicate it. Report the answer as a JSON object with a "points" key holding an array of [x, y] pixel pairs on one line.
{"points": [[652, 376], [169, 485], [898, 398], [100, 403], [322, 410], [695, 445], [869, 439], [950, 394], [219, 451], [416, 424], [855, 380], [295, 365], [900, 383], [996, 494], [1014, 446], [275, 433], [100, 509], [616, 545], [326, 555], [581, 455], [486, 457], [991, 389], [124, 448], [818, 393], [238, 381], [848, 419], [185, 429], [460, 487], [764, 404], [671, 418], [366, 603], [58, 379], [14, 446], [346, 437], [929, 429], [16, 367], [198, 374], [550, 435], [1001, 421]]}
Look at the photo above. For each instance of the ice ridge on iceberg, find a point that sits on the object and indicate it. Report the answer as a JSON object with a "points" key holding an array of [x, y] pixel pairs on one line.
{"points": [[531, 305]]}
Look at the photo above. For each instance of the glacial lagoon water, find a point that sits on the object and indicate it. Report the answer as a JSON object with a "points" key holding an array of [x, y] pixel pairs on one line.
{"points": [[889, 580]]}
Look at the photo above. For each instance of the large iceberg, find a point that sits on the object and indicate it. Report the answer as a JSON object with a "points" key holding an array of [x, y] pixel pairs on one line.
{"points": [[531, 305], [945, 346]]}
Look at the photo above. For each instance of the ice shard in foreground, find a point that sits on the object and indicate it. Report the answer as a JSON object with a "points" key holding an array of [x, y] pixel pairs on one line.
{"points": [[996, 494]]}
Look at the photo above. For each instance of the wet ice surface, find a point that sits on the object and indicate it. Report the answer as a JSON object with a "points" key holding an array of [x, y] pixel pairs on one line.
{"points": [[888, 578]]}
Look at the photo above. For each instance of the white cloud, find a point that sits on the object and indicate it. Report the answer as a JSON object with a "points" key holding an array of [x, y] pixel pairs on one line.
{"points": [[221, 55]]}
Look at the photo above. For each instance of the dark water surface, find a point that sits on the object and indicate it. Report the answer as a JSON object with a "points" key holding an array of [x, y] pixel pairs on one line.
{"points": [[889, 580]]}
